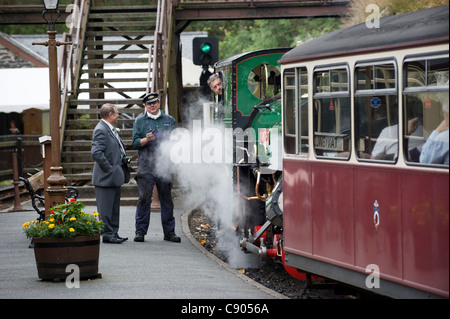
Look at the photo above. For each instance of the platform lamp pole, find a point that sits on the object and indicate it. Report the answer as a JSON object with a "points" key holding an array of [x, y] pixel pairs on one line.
{"points": [[56, 181]]}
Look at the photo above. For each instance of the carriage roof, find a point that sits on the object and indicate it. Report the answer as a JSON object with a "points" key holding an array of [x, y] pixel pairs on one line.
{"points": [[423, 27]]}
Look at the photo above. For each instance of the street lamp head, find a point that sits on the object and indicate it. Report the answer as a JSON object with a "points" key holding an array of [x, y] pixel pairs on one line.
{"points": [[50, 4]]}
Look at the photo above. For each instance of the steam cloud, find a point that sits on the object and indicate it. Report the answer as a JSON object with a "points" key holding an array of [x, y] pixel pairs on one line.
{"points": [[208, 182]]}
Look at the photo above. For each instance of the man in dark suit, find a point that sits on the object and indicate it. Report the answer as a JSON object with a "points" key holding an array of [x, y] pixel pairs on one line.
{"points": [[110, 164]]}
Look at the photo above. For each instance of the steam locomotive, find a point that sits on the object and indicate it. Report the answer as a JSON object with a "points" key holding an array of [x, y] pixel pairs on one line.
{"points": [[250, 107]]}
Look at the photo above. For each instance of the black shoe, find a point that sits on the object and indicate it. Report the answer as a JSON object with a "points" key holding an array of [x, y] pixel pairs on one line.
{"points": [[112, 240], [173, 238], [121, 238], [139, 237]]}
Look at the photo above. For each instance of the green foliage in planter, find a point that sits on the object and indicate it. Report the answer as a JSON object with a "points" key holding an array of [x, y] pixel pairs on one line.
{"points": [[65, 221]]}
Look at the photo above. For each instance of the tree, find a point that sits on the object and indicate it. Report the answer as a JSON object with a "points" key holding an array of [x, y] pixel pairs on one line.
{"points": [[248, 35], [357, 8], [238, 36]]}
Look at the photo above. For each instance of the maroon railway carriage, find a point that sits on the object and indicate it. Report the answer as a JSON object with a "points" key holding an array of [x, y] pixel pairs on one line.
{"points": [[361, 203]]}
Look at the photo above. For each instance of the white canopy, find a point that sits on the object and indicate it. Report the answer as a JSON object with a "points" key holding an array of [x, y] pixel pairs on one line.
{"points": [[21, 89], [26, 88]]}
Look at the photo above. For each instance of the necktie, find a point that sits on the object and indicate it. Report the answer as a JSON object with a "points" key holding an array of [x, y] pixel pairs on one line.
{"points": [[120, 142]]}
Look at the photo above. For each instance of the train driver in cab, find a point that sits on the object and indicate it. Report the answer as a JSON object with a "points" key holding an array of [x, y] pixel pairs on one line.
{"points": [[215, 83]]}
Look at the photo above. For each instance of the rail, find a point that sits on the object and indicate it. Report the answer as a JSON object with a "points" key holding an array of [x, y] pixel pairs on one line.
{"points": [[70, 65], [29, 154], [161, 48], [67, 70]]}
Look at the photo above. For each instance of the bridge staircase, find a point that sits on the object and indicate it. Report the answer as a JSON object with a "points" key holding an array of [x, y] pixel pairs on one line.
{"points": [[119, 53], [113, 61]]}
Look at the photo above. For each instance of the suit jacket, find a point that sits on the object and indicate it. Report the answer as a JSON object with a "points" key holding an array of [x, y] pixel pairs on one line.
{"points": [[107, 155]]}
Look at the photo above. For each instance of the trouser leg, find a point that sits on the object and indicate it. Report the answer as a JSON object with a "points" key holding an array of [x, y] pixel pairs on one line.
{"points": [[165, 197], [115, 219], [108, 206], [145, 187]]}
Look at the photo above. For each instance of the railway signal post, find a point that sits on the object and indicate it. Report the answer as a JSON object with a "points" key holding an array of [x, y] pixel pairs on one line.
{"points": [[205, 53]]}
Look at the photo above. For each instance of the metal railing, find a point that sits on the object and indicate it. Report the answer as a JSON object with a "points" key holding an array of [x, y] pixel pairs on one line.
{"points": [[161, 48], [71, 55], [28, 152], [70, 59]]}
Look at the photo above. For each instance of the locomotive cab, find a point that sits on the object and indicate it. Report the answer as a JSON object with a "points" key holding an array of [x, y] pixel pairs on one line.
{"points": [[251, 107]]}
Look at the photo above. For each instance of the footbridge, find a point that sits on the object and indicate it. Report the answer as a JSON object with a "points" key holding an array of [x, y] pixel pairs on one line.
{"points": [[120, 52]]}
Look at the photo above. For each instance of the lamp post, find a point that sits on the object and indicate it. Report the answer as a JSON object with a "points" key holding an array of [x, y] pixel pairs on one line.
{"points": [[56, 181]]}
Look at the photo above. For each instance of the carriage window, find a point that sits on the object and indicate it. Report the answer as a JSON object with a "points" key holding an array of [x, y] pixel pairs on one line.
{"points": [[290, 131], [375, 77], [295, 121], [332, 113], [339, 80], [303, 143], [376, 112], [425, 103], [426, 73]]}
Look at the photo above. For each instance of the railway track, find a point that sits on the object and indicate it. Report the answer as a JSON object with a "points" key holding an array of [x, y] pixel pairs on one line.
{"points": [[7, 196], [270, 274]]}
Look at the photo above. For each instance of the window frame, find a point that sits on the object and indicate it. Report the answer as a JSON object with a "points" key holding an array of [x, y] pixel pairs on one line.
{"points": [[416, 90], [331, 95], [297, 73], [375, 92], [426, 88]]}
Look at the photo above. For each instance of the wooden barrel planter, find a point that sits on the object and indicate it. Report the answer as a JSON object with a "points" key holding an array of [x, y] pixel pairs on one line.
{"points": [[53, 255]]}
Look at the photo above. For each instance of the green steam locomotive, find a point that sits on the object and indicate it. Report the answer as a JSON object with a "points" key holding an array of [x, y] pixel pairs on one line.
{"points": [[250, 107]]}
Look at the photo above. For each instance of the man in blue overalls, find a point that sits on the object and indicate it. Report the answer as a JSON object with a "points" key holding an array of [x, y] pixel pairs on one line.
{"points": [[150, 131]]}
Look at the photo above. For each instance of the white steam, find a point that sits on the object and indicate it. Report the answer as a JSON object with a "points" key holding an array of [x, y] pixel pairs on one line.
{"points": [[201, 158]]}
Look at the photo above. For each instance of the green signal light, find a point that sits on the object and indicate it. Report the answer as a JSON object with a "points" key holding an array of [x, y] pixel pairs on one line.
{"points": [[206, 48]]}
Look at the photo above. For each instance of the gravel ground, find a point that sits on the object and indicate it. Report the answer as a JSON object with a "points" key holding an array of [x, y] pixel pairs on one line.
{"points": [[269, 273]]}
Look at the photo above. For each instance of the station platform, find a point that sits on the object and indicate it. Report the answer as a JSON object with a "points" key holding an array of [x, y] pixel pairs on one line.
{"points": [[154, 269]]}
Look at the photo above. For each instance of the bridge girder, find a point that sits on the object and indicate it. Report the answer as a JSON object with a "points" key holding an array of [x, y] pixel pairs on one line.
{"points": [[27, 14], [269, 9], [204, 10]]}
